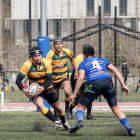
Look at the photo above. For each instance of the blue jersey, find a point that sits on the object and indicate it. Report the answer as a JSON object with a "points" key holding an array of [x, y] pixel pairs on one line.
{"points": [[95, 68]]}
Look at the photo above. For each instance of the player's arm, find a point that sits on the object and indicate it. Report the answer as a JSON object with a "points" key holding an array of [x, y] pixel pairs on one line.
{"points": [[75, 68], [47, 83], [18, 81], [79, 83], [119, 76], [60, 65]]}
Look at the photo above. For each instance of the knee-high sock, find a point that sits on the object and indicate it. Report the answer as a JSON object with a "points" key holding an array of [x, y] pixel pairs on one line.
{"points": [[62, 117], [72, 106], [125, 123], [67, 102], [89, 109], [80, 115], [46, 112]]}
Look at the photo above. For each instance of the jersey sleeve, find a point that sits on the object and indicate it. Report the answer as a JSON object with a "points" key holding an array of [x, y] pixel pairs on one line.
{"points": [[107, 62], [49, 56], [81, 66], [70, 54], [49, 68], [24, 70]]}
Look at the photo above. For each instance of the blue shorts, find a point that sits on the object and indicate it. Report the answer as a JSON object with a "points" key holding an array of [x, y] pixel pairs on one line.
{"points": [[96, 88]]}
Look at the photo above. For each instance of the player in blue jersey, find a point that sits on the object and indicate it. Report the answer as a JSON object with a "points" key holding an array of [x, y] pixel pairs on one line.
{"points": [[99, 82]]}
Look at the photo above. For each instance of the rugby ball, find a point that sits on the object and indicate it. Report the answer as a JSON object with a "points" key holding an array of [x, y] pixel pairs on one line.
{"points": [[33, 88]]}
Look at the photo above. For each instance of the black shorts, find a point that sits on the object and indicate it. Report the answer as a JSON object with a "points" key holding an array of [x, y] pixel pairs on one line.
{"points": [[97, 88], [73, 83], [57, 85], [49, 95]]}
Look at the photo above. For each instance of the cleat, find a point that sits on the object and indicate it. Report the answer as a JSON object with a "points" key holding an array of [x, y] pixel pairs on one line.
{"points": [[131, 132], [90, 117], [135, 91], [66, 126], [58, 125], [73, 129], [69, 114]]}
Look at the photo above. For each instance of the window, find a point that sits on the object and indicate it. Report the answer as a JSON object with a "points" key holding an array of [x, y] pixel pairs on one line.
{"points": [[107, 7], [57, 27], [123, 7], [90, 8], [133, 23]]}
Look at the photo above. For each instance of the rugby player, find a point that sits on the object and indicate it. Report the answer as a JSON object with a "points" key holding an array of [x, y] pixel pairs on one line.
{"points": [[58, 57], [99, 82], [39, 70], [78, 60]]}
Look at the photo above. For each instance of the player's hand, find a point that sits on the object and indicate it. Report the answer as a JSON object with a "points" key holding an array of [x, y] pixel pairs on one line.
{"points": [[26, 92], [75, 75], [41, 88], [126, 89], [72, 97], [60, 65]]}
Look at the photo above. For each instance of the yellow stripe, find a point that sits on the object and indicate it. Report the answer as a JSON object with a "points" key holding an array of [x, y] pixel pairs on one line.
{"points": [[45, 111], [73, 104], [60, 114], [59, 61], [66, 99], [60, 69], [60, 76]]}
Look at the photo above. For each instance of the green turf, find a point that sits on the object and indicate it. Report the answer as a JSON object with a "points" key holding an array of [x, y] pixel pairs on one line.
{"points": [[34, 126], [18, 95]]}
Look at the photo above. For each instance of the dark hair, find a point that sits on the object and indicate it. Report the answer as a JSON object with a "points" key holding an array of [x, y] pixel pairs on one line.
{"points": [[36, 50], [89, 51], [138, 67], [85, 45], [57, 39]]}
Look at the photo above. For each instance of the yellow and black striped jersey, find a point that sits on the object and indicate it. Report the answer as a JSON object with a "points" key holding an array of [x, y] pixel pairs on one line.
{"points": [[59, 73], [35, 72]]}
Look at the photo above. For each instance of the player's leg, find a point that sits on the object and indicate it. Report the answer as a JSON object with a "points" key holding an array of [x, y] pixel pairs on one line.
{"points": [[38, 101], [89, 116], [52, 99], [10, 85], [112, 101], [123, 119], [137, 87], [59, 111], [80, 117], [66, 87], [56, 89]]}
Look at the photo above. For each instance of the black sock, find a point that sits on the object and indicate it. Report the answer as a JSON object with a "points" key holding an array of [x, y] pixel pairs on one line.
{"points": [[89, 109], [62, 118], [67, 104], [71, 107], [50, 116], [137, 87]]}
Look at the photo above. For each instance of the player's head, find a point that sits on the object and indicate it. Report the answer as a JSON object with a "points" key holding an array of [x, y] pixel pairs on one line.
{"points": [[36, 54], [139, 67], [85, 45], [89, 51], [58, 44]]}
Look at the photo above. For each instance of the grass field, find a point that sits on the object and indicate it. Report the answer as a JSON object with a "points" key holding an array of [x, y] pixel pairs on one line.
{"points": [[18, 95], [34, 126]]}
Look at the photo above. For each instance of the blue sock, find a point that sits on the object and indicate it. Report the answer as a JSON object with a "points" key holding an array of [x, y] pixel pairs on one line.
{"points": [[80, 115], [125, 122]]}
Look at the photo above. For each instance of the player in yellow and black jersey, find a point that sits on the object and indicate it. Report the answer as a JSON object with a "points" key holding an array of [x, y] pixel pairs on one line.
{"points": [[39, 70], [79, 59], [58, 57]]}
